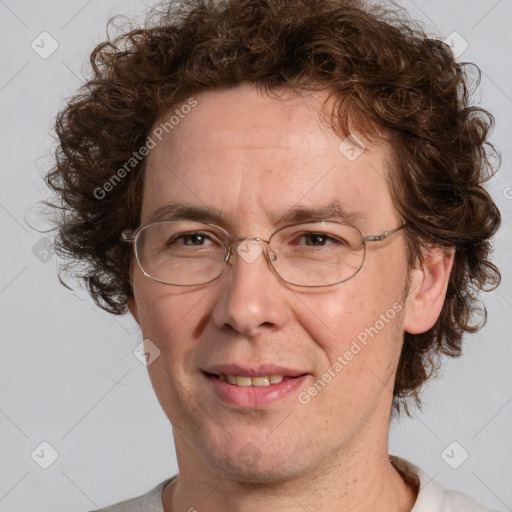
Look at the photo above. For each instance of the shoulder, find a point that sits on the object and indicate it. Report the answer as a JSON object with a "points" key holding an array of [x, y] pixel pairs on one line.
{"points": [[454, 500], [432, 497], [149, 502]]}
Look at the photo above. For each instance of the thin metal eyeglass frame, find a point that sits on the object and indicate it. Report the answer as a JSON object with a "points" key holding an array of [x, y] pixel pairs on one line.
{"points": [[131, 236]]}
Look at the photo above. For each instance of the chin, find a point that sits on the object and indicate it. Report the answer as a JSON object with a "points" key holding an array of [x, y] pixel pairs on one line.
{"points": [[252, 465]]}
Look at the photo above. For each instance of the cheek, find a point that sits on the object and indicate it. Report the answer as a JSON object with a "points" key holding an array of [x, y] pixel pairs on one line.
{"points": [[166, 316], [363, 312], [168, 321], [337, 324]]}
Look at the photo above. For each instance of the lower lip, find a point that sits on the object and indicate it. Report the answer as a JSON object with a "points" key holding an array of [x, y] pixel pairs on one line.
{"points": [[252, 397]]}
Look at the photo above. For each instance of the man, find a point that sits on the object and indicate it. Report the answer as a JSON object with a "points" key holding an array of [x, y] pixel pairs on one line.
{"points": [[288, 199]]}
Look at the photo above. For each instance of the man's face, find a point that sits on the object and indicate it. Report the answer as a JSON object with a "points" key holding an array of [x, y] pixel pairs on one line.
{"points": [[250, 156]]}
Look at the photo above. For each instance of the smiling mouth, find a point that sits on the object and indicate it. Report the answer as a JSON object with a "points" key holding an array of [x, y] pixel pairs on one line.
{"points": [[259, 381]]}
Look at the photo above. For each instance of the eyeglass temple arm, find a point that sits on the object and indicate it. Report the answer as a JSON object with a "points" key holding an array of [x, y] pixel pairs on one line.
{"points": [[382, 236]]}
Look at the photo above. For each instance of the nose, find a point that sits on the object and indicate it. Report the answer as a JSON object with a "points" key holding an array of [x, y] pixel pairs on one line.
{"points": [[252, 298]]}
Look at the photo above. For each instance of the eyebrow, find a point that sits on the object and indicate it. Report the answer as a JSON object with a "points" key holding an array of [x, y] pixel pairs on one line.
{"points": [[335, 210]]}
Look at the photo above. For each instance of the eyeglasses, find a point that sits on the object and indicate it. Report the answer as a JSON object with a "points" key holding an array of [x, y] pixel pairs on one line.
{"points": [[190, 253]]}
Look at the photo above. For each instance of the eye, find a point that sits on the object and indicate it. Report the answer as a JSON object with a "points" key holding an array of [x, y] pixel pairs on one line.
{"points": [[318, 239], [195, 239]]}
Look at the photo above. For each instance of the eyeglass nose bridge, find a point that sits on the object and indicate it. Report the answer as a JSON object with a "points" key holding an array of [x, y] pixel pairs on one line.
{"points": [[248, 255]]}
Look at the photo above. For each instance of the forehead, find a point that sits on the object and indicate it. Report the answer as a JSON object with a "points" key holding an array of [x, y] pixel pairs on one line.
{"points": [[242, 152]]}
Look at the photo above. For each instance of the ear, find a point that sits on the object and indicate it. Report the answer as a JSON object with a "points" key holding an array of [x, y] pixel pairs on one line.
{"points": [[427, 291]]}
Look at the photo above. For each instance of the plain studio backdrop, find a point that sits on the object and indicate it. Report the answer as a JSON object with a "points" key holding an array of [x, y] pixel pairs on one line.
{"points": [[80, 425]]}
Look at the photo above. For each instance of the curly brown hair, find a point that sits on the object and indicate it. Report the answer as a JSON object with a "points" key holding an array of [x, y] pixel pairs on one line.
{"points": [[384, 72]]}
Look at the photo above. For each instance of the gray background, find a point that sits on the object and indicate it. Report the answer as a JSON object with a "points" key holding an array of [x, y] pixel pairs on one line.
{"points": [[68, 376]]}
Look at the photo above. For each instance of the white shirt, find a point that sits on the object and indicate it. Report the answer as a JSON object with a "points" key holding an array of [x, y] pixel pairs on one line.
{"points": [[432, 497]]}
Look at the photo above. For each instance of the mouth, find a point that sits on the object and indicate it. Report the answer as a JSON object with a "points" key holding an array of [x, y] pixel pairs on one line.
{"points": [[254, 388], [253, 381]]}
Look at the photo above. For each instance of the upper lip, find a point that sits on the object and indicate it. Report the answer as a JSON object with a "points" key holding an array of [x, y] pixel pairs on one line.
{"points": [[253, 370]]}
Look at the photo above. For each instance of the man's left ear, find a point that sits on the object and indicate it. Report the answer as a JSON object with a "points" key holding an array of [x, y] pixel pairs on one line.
{"points": [[427, 291]]}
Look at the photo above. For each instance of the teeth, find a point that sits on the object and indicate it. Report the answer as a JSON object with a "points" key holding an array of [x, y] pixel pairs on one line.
{"points": [[261, 381], [243, 381]]}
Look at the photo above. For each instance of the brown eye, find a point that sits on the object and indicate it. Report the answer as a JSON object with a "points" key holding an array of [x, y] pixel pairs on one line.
{"points": [[190, 239], [319, 239]]}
